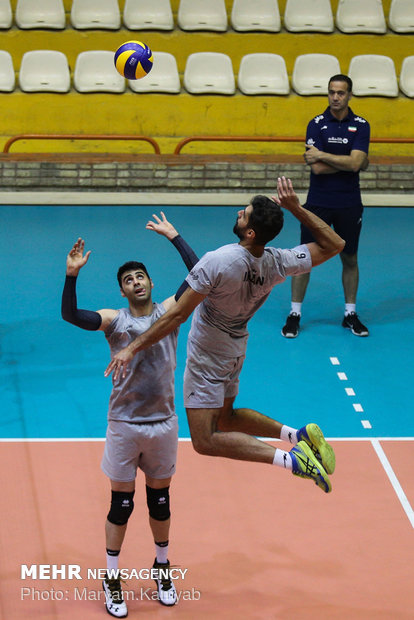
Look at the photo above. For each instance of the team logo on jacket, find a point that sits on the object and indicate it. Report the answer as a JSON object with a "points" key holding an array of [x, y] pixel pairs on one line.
{"points": [[352, 128]]}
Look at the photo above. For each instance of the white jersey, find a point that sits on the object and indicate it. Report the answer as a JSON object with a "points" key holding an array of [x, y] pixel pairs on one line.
{"points": [[237, 284], [147, 392]]}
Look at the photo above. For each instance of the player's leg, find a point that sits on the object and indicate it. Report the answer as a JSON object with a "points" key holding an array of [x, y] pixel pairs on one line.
{"points": [[254, 423], [210, 386], [209, 440], [122, 504], [158, 461], [119, 463]]}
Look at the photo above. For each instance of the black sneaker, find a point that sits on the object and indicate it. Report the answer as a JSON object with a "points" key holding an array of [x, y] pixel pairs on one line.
{"points": [[114, 603], [291, 329], [167, 594], [352, 322]]}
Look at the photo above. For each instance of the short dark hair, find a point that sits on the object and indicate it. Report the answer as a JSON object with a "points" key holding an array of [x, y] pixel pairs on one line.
{"points": [[340, 77], [129, 266], [266, 218]]}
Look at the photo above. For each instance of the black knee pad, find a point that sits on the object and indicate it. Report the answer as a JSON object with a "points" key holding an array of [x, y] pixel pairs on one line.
{"points": [[122, 505], [158, 502]]}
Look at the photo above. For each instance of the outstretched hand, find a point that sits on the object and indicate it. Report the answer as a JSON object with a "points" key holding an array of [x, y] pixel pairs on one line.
{"points": [[75, 260], [162, 227], [119, 363], [286, 195]]}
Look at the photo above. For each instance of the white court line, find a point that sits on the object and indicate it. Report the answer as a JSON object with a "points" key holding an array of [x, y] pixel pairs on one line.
{"points": [[350, 391], [366, 423], [335, 361], [342, 376], [184, 439], [358, 407], [394, 480]]}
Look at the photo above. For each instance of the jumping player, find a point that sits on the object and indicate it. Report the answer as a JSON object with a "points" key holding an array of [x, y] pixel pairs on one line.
{"points": [[142, 427], [226, 288]]}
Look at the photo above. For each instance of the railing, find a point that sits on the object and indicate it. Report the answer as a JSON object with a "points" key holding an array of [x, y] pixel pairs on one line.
{"points": [[57, 136], [185, 141]]}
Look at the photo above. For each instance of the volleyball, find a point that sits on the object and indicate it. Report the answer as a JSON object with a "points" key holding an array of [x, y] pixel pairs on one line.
{"points": [[133, 60]]}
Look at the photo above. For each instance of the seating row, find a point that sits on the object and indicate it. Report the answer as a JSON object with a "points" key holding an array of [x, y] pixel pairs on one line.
{"points": [[206, 72], [352, 16]]}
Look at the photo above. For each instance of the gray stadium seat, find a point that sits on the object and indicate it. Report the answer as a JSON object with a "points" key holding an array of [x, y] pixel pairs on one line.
{"points": [[202, 15], [40, 14], [209, 72], [102, 14], [44, 71], [6, 16], [263, 74], [7, 75], [263, 15], [373, 74], [95, 72], [148, 15]]}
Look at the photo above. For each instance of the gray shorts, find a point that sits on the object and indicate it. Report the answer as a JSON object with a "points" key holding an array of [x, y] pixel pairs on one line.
{"points": [[209, 378], [152, 447]]}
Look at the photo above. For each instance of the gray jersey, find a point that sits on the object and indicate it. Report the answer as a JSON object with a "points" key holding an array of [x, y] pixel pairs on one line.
{"points": [[147, 392], [237, 284]]}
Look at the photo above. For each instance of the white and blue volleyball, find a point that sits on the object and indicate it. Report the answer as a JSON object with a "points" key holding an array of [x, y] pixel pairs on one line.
{"points": [[133, 60]]}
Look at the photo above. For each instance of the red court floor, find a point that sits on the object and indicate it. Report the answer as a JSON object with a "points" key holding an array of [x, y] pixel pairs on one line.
{"points": [[258, 543]]}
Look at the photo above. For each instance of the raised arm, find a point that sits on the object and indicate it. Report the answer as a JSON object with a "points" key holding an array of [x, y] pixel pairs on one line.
{"points": [[166, 229], [327, 242], [85, 319], [176, 315]]}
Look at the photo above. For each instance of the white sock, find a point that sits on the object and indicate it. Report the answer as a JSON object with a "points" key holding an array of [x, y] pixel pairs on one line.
{"points": [[289, 434], [282, 459], [350, 308], [112, 558], [296, 307], [161, 551]]}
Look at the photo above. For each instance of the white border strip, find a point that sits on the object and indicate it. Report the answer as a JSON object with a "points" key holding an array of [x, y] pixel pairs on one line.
{"points": [[184, 439], [172, 198], [394, 480]]}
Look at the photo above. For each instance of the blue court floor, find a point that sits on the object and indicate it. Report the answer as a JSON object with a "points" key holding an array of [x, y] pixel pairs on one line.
{"points": [[51, 373]]}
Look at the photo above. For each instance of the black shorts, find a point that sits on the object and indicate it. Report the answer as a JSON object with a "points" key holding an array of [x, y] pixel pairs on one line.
{"points": [[346, 222]]}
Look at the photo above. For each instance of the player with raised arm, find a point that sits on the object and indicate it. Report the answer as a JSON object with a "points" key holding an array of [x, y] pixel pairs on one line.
{"points": [[226, 288], [142, 427]]}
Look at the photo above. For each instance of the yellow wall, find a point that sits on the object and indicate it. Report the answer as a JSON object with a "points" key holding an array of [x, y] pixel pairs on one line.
{"points": [[168, 118]]}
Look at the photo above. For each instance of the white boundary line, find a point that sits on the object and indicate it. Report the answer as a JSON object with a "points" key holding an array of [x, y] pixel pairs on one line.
{"points": [[394, 480], [183, 439]]}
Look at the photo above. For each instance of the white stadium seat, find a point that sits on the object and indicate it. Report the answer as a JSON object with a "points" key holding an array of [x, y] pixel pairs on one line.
{"points": [[407, 76], [312, 72], [361, 16], [202, 15], [401, 16], [102, 14], [6, 16], [148, 15], [7, 75], [95, 72], [308, 16], [373, 74], [44, 71], [40, 14], [263, 15], [263, 74], [209, 72], [163, 77]]}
